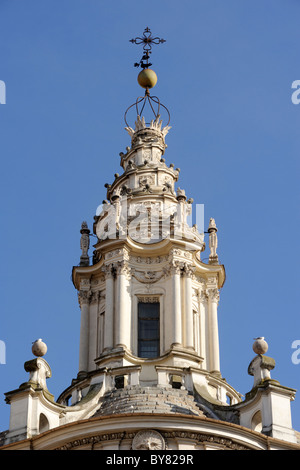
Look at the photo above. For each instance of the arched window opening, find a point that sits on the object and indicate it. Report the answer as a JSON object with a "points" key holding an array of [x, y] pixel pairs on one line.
{"points": [[228, 399], [43, 424], [256, 423]]}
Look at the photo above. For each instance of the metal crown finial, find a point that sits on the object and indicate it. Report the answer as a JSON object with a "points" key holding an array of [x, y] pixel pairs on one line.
{"points": [[147, 78]]}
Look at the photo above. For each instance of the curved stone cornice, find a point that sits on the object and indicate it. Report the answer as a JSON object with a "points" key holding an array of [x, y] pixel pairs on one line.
{"points": [[161, 248], [200, 431], [126, 355]]}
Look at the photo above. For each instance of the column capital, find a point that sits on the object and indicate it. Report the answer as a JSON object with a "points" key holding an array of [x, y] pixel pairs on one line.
{"points": [[175, 267], [203, 297], [122, 268], [213, 294], [108, 270], [95, 297], [188, 270], [84, 297]]}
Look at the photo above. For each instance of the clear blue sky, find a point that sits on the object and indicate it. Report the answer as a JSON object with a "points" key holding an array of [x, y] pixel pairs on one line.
{"points": [[225, 74]]}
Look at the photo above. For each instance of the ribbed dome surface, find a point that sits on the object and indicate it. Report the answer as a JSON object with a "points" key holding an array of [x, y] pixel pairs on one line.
{"points": [[137, 399]]}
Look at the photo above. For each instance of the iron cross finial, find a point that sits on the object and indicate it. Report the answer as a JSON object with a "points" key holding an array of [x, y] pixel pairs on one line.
{"points": [[147, 40]]}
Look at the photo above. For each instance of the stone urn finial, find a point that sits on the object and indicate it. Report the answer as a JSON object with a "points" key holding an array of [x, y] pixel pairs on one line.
{"points": [[260, 346], [39, 348]]}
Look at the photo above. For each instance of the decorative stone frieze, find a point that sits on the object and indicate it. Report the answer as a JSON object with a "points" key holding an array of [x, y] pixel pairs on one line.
{"points": [[147, 299], [146, 277], [145, 436]]}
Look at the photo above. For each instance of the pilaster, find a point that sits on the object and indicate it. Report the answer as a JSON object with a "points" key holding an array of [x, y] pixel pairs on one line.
{"points": [[123, 311], [109, 307], [84, 298], [213, 300], [175, 270], [189, 321]]}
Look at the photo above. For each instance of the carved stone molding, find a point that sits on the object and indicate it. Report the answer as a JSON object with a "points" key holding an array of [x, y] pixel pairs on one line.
{"points": [[146, 179], [212, 282], [113, 253], [197, 437], [176, 251], [206, 438], [147, 277], [148, 299], [85, 283], [149, 259], [91, 440]]}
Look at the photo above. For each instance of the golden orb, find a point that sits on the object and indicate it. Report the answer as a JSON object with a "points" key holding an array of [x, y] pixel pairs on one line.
{"points": [[147, 78]]}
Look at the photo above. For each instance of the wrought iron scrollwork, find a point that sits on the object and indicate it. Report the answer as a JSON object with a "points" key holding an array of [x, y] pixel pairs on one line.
{"points": [[147, 40]]}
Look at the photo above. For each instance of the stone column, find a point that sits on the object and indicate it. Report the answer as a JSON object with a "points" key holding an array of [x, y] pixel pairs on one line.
{"points": [[123, 317], [176, 293], [213, 300], [189, 321], [109, 309], [93, 329], [204, 350], [84, 297]]}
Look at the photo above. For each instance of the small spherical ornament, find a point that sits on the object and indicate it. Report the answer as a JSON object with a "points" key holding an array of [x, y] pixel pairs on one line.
{"points": [[39, 348], [147, 78], [260, 346]]}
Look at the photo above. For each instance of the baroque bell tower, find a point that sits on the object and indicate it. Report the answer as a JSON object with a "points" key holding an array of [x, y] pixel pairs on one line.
{"points": [[148, 300]]}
